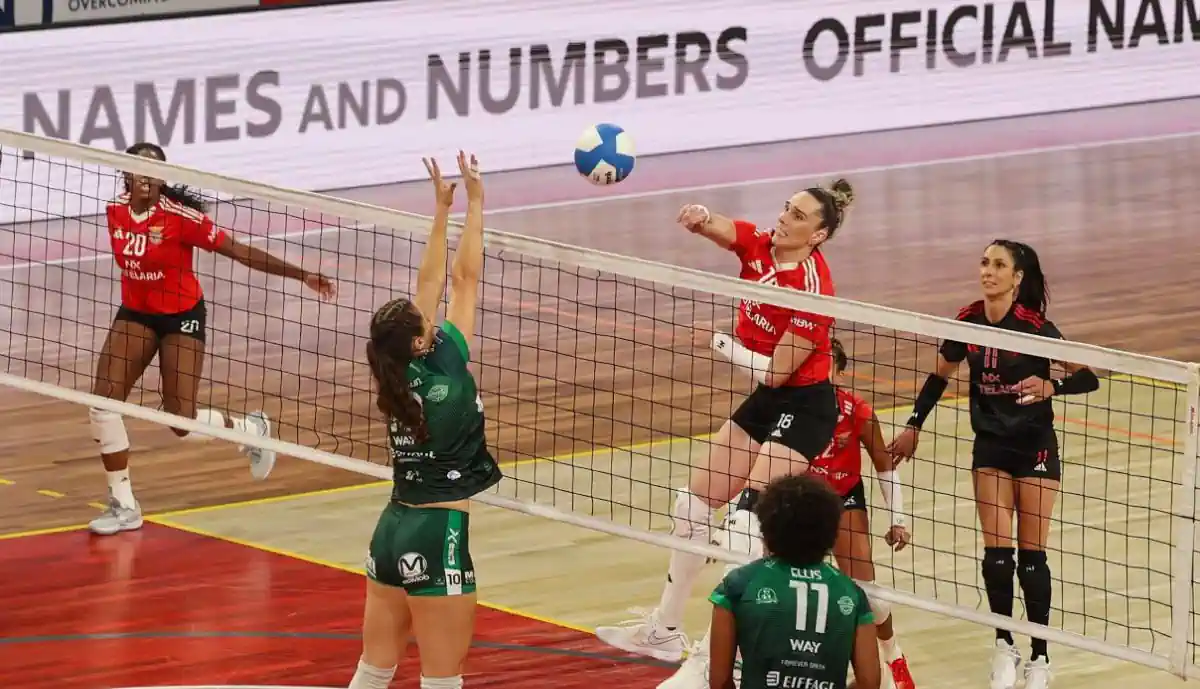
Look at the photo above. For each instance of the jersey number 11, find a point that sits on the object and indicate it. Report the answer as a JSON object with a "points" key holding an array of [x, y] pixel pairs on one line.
{"points": [[821, 613]]}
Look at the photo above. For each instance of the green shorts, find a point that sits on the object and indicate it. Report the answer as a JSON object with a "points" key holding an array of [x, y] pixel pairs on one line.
{"points": [[422, 550]]}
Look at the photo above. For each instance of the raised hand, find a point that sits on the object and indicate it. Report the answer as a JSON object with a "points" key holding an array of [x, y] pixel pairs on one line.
{"points": [[471, 177], [442, 189]]}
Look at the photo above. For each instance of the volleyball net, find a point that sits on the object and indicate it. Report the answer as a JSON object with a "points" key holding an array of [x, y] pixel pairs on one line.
{"points": [[601, 389]]}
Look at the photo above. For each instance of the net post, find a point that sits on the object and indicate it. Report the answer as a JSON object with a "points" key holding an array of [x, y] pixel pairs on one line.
{"points": [[1185, 532]]}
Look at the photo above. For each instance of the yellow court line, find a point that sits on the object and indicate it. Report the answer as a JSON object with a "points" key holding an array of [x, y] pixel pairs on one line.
{"points": [[340, 567], [51, 493], [42, 532]]}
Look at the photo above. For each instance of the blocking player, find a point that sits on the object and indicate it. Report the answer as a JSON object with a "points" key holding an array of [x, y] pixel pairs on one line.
{"points": [[841, 466], [420, 577], [796, 621], [786, 422], [154, 230], [1015, 459]]}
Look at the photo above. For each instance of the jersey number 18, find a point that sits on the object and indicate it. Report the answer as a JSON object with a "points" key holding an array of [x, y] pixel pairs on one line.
{"points": [[820, 615]]}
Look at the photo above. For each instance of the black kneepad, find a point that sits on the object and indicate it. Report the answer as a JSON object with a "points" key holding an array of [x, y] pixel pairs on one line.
{"points": [[998, 567], [1034, 575]]}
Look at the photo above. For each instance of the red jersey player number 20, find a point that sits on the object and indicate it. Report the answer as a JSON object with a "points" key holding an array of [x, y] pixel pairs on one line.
{"points": [[155, 252]]}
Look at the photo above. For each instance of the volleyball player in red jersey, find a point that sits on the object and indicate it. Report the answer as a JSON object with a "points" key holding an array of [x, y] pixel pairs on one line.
{"points": [[154, 230], [1015, 460], [840, 465], [786, 422]]}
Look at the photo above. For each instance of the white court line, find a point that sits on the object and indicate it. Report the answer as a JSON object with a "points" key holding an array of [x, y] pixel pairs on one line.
{"points": [[633, 196]]}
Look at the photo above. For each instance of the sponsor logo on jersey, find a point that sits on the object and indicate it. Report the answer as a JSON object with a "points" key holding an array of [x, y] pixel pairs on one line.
{"points": [[438, 393], [413, 568], [805, 646], [846, 605], [766, 596]]}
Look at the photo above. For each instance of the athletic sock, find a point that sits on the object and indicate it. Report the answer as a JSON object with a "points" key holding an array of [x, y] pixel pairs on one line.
{"points": [[370, 677], [121, 487]]}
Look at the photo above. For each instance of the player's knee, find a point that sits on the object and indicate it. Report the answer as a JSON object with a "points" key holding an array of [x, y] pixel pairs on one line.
{"points": [[998, 567], [1034, 574], [881, 609], [108, 430], [691, 517]]}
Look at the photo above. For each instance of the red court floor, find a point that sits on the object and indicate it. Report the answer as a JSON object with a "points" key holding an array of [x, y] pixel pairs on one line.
{"points": [[167, 607]]}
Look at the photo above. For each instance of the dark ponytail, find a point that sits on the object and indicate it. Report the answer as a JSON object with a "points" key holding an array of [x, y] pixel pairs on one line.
{"points": [[389, 352], [835, 201], [1034, 293], [179, 193]]}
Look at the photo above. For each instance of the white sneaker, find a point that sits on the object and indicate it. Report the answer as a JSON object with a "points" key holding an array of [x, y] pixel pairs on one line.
{"points": [[262, 460], [693, 674], [1005, 661], [1037, 673], [645, 636], [117, 518]]}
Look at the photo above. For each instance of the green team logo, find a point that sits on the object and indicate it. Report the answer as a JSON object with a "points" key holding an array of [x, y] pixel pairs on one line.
{"points": [[846, 605], [766, 596], [438, 393]]}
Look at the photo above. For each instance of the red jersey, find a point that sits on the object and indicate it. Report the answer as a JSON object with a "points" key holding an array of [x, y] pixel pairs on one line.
{"points": [[841, 463], [760, 326], [154, 253]]}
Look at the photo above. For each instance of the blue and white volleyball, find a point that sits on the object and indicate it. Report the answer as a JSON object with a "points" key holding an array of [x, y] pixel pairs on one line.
{"points": [[604, 154]]}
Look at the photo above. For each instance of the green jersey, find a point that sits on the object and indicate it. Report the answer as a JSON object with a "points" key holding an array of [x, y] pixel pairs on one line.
{"points": [[454, 462], [795, 625]]}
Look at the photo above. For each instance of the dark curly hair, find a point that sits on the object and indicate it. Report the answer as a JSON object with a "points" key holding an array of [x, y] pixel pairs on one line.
{"points": [[799, 516], [179, 193]]}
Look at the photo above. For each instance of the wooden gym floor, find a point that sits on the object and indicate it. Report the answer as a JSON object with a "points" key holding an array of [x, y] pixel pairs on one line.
{"points": [[235, 581]]}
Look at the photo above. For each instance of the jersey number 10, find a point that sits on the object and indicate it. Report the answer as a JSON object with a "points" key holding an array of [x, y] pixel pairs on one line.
{"points": [[820, 615]]}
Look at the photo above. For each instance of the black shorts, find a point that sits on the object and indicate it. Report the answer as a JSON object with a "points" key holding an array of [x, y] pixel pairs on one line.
{"points": [[1036, 458], [190, 323], [799, 418], [856, 498]]}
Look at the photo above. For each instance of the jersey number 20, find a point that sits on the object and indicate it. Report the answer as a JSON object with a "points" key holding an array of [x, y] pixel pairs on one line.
{"points": [[818, 617], [135, 245]]}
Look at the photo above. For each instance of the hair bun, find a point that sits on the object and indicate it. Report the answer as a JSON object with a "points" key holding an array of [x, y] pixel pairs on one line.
{"points": [[842, 193]]}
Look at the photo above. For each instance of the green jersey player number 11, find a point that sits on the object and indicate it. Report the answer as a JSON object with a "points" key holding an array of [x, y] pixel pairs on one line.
{"points": [[797, 622]]}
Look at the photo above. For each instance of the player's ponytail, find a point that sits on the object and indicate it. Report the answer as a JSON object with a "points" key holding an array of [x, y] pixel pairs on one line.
{"points": [[1033, 293], [389, 352], [835, 201], [179, 193]]}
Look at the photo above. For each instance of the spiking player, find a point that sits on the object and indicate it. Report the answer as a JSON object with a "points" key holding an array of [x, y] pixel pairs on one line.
{"points": [[796, 621], [784, 424], [1015, 458], [154, 230], [841, 466]]}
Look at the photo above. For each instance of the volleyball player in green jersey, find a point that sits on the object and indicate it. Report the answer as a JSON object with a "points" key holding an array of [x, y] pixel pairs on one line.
{"points": [[420, 578], [798, 622]]}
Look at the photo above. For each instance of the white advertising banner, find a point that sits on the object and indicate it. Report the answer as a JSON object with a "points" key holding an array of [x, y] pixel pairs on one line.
{"points": [[351, 95], [29, 13]]}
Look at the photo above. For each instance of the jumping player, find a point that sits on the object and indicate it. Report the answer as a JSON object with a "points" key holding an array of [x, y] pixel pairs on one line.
{"points": [[841, 466], [796, 621], [1015, 458], [420, 577], [154, 230], [786, 422]]}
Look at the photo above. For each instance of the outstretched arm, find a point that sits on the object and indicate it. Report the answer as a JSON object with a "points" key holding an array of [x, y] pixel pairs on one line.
{"points": [[257, 259], [718, 229], [468, 258], [431, 276]]}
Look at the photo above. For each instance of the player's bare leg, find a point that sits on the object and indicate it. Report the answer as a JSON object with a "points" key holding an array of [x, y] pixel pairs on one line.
{"points": [[128, 350], [741, 535], [182, 362], [1035, 498], [443, 626], [853, 554], [714, 481], [387, 624], [994, 500]]}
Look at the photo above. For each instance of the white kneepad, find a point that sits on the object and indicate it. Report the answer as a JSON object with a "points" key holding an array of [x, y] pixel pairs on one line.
{"points": [[881, 609], [108, 429], [691, 517]]}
